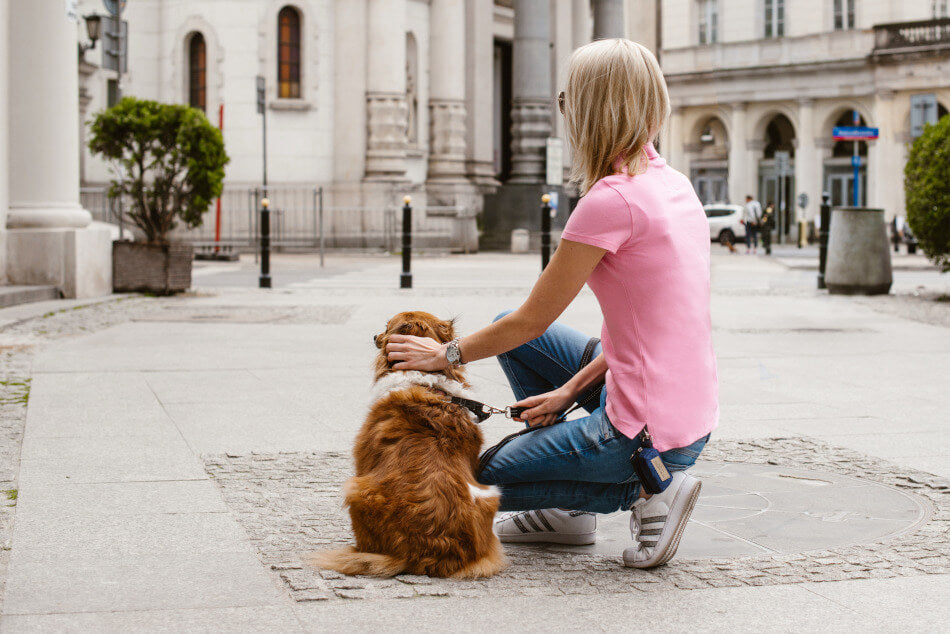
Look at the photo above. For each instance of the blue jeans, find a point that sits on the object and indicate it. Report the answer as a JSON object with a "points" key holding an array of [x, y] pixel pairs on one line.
{"points": [[581, 464], [751, 236]]}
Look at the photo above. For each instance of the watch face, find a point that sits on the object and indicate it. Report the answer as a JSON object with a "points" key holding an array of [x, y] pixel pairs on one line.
{"points": [[452, 354]]}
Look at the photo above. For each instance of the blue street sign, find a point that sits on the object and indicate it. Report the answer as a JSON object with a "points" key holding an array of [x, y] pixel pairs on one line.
{"points": [[854, 133], [855, 161]]}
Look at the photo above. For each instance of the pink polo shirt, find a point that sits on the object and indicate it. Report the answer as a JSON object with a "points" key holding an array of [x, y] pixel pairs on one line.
{"points": [[653, 289]]}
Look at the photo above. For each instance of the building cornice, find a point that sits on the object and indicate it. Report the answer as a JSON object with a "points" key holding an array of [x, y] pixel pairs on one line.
{"points": [[854, 64]]}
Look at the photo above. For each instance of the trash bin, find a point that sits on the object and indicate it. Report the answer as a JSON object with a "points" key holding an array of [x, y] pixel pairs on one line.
{"points": [[859, 256]]}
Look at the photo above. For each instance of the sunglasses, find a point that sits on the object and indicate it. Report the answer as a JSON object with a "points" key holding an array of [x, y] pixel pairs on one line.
{"points": [[560, 101]]}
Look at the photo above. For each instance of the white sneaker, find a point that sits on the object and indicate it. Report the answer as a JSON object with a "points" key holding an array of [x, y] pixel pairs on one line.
{"points": [[548, 525], [657, 524]]}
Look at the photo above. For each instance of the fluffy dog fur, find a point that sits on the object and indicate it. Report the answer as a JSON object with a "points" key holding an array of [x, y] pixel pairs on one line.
{"points": [[414, 503]]}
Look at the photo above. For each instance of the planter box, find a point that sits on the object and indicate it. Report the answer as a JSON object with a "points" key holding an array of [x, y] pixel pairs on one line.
{"points": [[139, 267]]}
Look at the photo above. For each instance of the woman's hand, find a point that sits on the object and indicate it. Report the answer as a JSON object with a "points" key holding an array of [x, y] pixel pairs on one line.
{"points": [[544, 409], [416, 353]]}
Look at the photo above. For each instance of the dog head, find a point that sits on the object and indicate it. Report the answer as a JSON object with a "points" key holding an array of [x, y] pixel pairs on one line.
{"points": [[420, 324]]}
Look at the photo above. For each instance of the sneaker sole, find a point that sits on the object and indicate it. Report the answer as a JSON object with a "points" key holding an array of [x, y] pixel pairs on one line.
{"points": [[685, 505], [576, 539]]}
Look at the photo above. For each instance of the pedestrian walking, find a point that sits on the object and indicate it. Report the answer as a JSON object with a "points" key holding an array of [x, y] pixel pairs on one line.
{"points": [[768, 223], [639, 238], [897, 232], [751, 217]]}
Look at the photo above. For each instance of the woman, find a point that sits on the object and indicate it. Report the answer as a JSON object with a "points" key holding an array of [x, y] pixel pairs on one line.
{"points": [[640, 239]]}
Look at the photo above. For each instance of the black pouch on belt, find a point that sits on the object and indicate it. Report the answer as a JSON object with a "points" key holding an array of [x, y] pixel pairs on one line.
{"points": [[649, 467]]}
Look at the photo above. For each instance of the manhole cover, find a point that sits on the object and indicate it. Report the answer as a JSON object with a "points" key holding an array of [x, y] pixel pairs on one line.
{"points": [[758, 509], [772, 511]]}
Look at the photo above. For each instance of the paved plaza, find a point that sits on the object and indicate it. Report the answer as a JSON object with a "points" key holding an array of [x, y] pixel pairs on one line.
{"points": [[167, 461]]}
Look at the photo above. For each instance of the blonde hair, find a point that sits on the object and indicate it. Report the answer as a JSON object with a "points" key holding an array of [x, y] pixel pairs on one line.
{"points": [[615, 102]]}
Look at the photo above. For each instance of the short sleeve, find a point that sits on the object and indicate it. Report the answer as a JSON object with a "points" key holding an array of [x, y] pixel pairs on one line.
{"points": [[602, 219]]}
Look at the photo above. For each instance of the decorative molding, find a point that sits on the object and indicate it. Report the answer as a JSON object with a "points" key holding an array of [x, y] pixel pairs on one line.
{"points": [[386, 138], [447, 138], [531, 126], [290, 105]]}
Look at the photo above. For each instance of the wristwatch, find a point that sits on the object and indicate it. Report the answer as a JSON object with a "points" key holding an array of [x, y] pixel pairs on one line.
{"points": [[453, 355]]}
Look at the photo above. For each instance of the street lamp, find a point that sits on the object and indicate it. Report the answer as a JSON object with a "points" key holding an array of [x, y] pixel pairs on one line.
{"points": [[93, 31]]}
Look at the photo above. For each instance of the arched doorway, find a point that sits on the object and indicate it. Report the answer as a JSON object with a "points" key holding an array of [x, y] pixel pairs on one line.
{"points": [[777, 173], [839, 167], [709, 163]]}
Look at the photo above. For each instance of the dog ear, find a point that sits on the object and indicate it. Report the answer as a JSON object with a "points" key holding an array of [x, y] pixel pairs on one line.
{"points": [[446, 330]]}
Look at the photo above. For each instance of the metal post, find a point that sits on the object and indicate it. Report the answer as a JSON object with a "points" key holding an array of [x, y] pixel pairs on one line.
{"points": [[545, 230], [823, 238], [265, 244], [405, 280], [322, 244], [856, 163]]}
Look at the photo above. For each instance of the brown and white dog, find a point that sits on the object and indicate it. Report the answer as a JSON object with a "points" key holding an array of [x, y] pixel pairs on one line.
{"points": [[414, 503]]}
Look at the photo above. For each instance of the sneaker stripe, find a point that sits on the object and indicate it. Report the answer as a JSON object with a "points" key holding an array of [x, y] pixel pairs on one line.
{"points": [[651, 531], [519, 524], [534, 525], [544, 520], [653, 520], [646, 543]]}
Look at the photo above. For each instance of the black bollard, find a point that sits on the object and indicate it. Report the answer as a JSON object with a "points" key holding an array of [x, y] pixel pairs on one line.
{"points": [[545, 231], [405, 280], [265, 244], [825, 211]]}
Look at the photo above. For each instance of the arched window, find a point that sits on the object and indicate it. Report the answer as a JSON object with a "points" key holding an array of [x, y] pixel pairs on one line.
{"points": [[288, 53], [197, 71]]}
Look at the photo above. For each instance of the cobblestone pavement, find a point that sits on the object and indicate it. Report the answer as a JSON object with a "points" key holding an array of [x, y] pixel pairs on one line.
{"points": [[290, 503]]}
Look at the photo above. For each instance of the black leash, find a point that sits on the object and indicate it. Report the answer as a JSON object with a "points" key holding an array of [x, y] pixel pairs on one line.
{"points": [[483, 411]]}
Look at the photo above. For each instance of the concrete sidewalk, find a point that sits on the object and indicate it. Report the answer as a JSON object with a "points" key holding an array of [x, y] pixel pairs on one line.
{"points": [[179, 454]]}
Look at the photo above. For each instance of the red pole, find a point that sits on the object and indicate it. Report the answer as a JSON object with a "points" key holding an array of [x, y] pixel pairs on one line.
{"points": [[217, 211]]}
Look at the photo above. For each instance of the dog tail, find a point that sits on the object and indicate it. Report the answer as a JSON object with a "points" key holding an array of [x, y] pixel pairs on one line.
{"points": [[350, 561]]}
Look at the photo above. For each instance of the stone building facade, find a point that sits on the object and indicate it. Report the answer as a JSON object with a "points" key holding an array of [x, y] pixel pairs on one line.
{"points": [[444, 100], [752, 78]]}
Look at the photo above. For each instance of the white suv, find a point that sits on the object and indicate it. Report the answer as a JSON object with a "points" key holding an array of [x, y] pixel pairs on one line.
{"points": [[725, 222]]}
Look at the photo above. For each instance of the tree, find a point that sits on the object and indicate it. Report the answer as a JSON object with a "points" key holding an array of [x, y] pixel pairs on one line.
{"points": [[171, 160], [927, 191]]}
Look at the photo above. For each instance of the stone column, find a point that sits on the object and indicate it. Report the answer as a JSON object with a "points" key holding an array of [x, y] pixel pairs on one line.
{"points": [[738, 155], [386, 112], [608, 19], [808, 164], [479, 76], [447, 90], [886, 158], [674, 152], [4, 95], [581, 22], [532, 98], [44, 119], [47, 243]]}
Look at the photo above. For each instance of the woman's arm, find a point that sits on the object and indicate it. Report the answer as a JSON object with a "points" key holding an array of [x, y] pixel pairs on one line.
{"points": [[558, 285]]}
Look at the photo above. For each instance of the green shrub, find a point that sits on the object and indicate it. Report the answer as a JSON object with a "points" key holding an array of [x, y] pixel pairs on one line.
{"points": [[171, 160], [927, 191]]}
